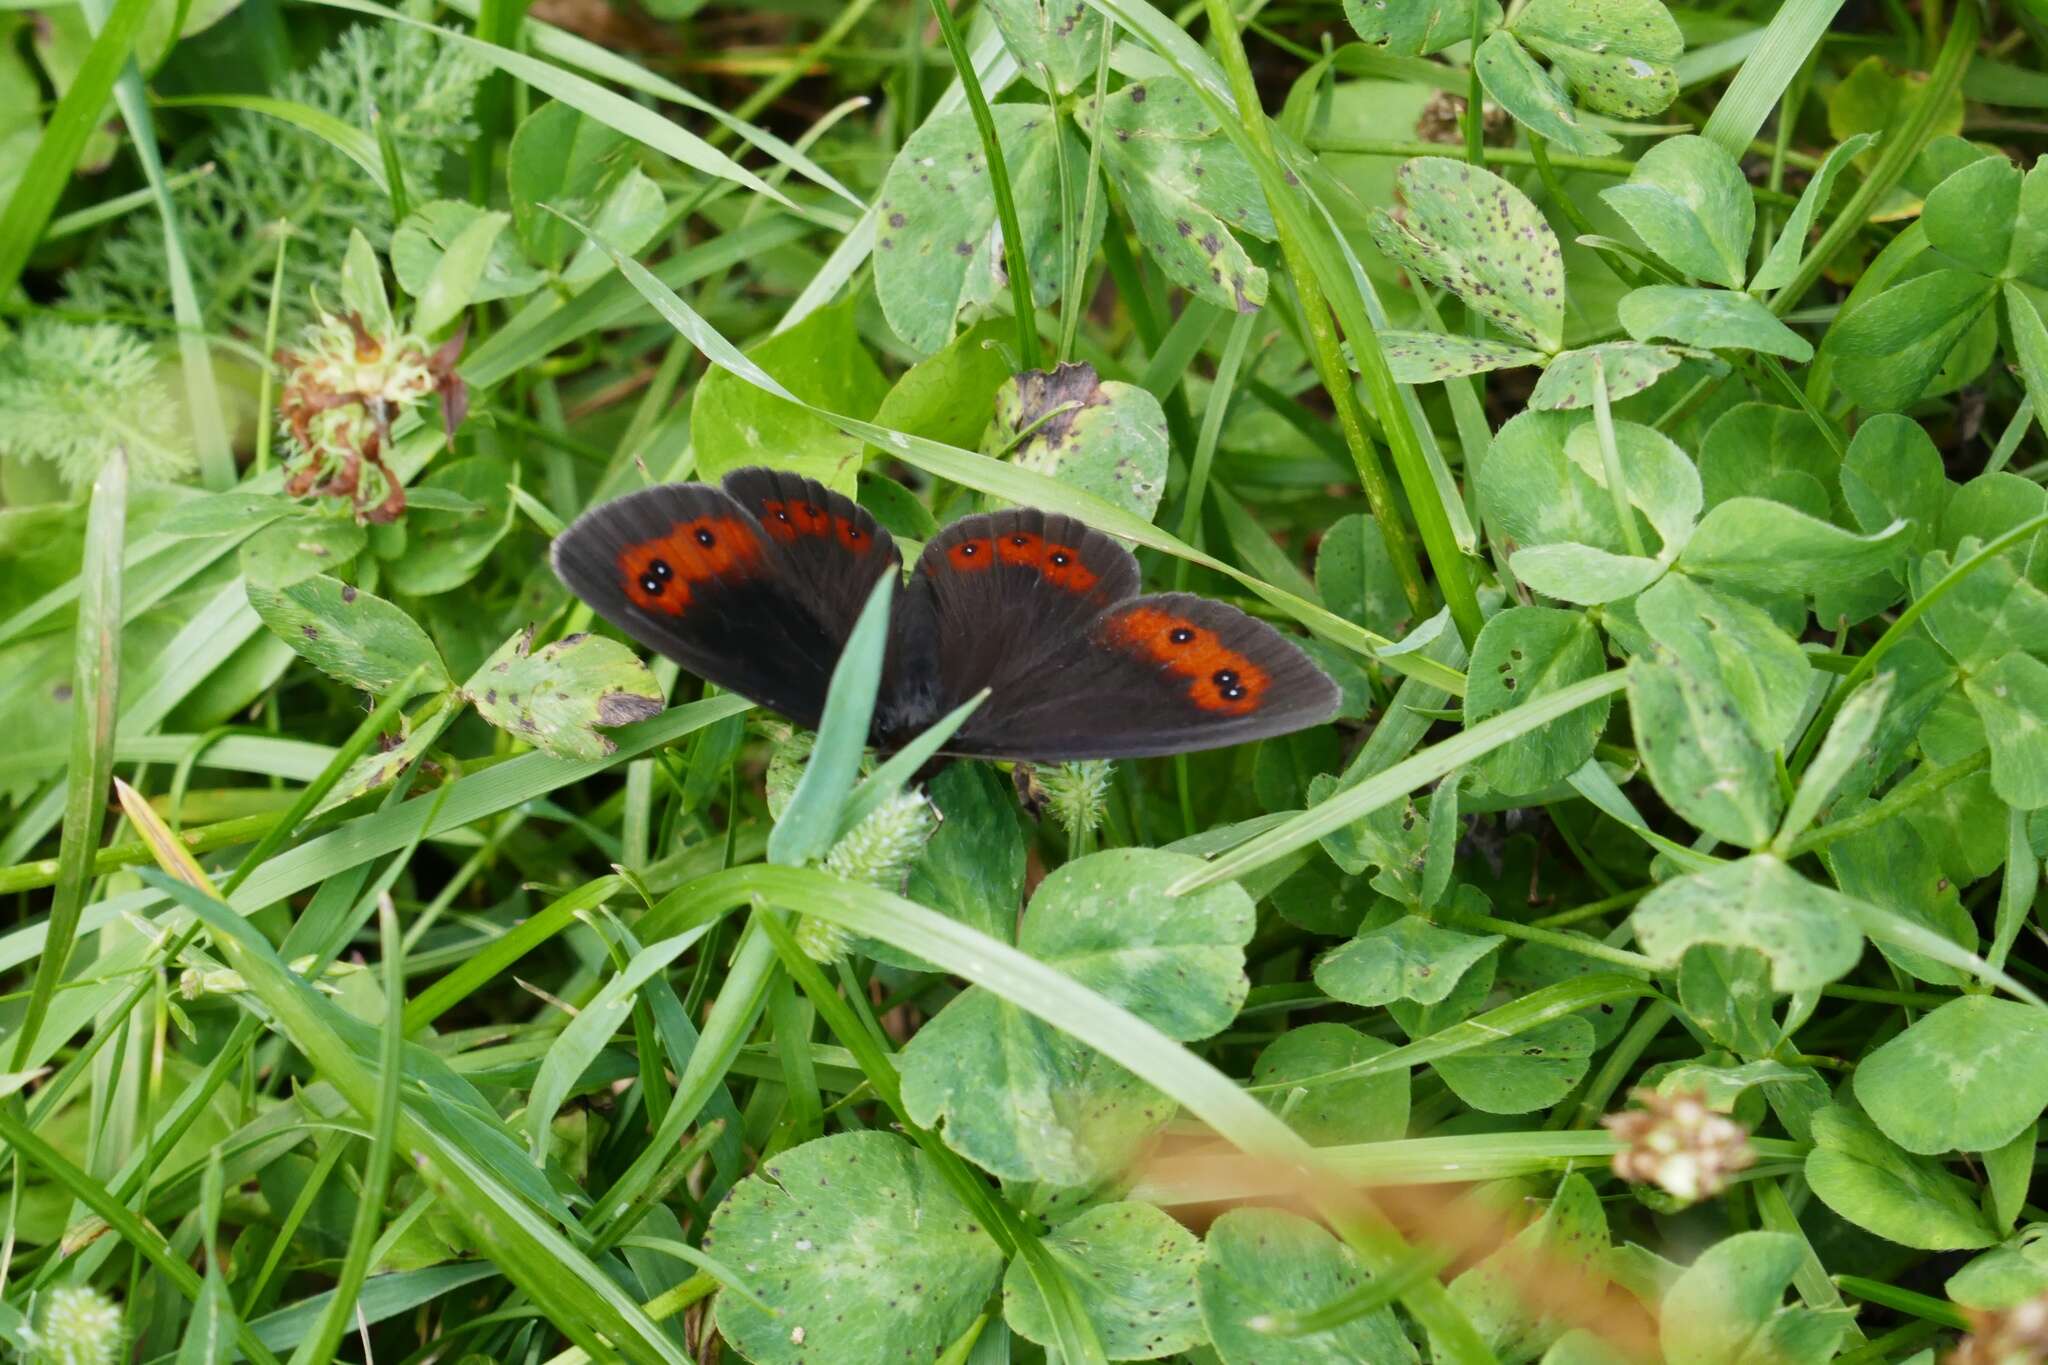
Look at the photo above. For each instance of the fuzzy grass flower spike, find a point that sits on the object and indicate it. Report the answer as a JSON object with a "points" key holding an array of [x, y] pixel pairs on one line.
{"points": [[877, 852], [80, 1326], [1679, 1144]]}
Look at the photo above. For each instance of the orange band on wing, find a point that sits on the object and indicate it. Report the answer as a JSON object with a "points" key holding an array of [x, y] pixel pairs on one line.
{"points": [[658, 573], [851, 535], [787, 521], [1058, 564], [1220, 679], [971, 556]]}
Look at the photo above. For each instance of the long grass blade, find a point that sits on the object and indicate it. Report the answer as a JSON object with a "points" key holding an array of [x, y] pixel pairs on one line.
{"points": [[73, 121], [1761, 80], [95, 701], [1410, 774]]}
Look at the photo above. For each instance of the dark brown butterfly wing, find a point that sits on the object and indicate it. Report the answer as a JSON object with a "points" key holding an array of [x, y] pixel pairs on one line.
{"points": [[1165, 674], [834, 550], [1043, 611], [689, 572], [1004, 588], [756, 586]]}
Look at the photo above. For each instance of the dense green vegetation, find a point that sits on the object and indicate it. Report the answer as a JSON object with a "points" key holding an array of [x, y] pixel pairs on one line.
{"points": [[1632, 409]]}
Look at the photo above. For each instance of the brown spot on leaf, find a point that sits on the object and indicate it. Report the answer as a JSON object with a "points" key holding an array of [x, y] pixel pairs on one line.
{"points": [[623, 708]]}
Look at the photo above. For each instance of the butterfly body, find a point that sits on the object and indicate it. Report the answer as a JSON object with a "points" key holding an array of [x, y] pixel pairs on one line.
{"points": [[756, 584]]}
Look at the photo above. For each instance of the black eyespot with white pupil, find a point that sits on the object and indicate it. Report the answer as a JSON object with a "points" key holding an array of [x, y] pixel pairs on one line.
{"points": [[1061, 559], [967, 551], [782, 514], [1227, 684], [1181, 635], [658, 573], [1020, 540], [705, 538]]}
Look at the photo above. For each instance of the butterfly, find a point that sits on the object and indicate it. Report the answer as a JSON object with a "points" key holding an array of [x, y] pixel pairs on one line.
{"points": [[756, 584]]}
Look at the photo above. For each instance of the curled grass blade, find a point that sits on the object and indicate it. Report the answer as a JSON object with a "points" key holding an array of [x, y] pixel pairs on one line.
{"points": [[608, 107], [352, 142]]}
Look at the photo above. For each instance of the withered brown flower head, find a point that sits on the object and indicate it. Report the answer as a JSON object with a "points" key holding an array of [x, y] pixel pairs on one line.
{"points": [[1442, 121], [1679, 1143], [2011, 1336], [339, 399]]}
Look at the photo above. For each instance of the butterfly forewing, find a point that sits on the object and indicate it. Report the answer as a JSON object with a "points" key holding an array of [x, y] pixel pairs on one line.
{"points": [[688, 571], [835, 551]]}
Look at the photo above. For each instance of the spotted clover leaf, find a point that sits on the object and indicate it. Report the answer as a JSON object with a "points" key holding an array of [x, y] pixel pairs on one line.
{"points": [[1615, 55], [557, 696], [1473, 233], [1188, 189], [1101, 436], [1024, 1101], [938, 246], [1055, 42], [858, 1248]]}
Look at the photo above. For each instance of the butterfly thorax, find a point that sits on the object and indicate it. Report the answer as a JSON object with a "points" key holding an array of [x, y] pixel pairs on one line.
{"points": [[912, 692]]}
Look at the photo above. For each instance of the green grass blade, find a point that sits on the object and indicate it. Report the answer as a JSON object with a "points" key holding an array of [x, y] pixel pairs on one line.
{"points": [[202, 391], [1760, 82], [1410, 774], [74, 120], [146, 1240], [608, 107], [811, 820], [107, 210], [605, 64], [95, 700], [578, 1295], [732, 1017], [501, 952], [352, 142], [1015, 258], [1518, 1016], [892, 775], [377, 1163]]}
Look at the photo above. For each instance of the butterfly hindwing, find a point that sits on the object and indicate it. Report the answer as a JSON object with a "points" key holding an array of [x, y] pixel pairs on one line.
{"points": [[688, 571], [1005, 587], [1164, 674]]}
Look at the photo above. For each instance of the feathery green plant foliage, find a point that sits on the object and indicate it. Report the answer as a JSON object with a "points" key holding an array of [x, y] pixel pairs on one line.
{"points": [[1644, 964], [71, 394], [395, 83]]}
